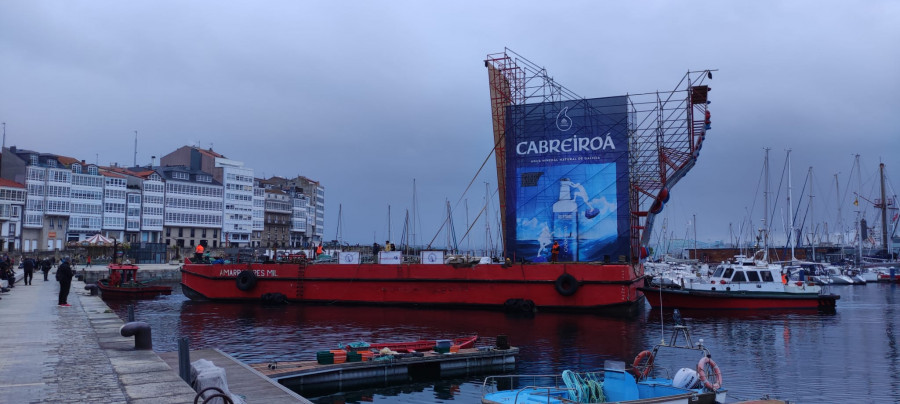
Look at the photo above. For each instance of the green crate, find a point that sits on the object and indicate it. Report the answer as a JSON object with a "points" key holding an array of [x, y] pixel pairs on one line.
{"points": [[325, 358], [354, 357], [442, 350]]}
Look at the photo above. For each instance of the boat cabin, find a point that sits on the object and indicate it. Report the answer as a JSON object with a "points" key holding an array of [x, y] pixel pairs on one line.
{"points": [[120, 274], [737, 277]]}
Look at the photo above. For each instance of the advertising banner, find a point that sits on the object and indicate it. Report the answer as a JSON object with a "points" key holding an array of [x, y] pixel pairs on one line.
{"points": [[390, 257], [567, 180], [431, 257], [349, 257]]}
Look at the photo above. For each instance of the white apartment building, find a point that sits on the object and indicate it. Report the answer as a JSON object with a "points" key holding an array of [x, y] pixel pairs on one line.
{"points": [[153, 202], [237, 182], [193, 207], [12, 204], [115, 201], [86, 210], [319, 231], [299, 214], [259, 211]]}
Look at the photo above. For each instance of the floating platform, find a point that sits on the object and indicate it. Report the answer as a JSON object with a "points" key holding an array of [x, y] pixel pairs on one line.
{"points": [[312, 378], [242, 379]]}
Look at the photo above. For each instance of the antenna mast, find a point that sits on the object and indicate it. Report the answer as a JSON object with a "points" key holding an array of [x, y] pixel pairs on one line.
{"points": [[135, 149]]}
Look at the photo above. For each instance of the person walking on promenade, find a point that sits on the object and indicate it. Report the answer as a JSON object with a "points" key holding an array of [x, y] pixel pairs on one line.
{"points": [[64, 275], [88, 260], [45, 267], [28, 266]]}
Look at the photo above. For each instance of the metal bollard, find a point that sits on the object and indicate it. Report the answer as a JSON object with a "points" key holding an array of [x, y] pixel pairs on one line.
{"points": [[130, 313], [141, 332], [184, 359], [93, 288]]}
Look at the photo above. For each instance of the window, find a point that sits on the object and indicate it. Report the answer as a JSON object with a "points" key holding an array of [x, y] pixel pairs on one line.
{"points": [[767, 276], [728, 273], [180, 232], [192, 232], [76, 168], [92, 170], [168, 233], [739, 277], [178, 175], [753, 276], [34, 159], [203, 233]]}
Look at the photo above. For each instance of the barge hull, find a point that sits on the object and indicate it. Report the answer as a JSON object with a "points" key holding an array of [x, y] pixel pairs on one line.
{"points": [[555, 287]]}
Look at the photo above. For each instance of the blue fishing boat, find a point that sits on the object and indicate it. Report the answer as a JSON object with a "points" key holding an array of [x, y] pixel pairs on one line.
{"points": [[645, 382]]}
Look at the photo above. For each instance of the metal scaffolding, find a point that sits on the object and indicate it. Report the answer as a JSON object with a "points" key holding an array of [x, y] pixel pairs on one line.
{"points": [[664, 133]]}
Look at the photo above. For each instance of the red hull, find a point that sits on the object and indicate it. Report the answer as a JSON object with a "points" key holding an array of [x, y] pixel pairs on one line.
{"points": [[684, 299], [611, 288], [424, 345], [138, 292]]}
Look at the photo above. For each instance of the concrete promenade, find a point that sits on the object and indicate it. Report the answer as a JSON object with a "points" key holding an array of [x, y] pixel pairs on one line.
{"points": [[52, 354]]}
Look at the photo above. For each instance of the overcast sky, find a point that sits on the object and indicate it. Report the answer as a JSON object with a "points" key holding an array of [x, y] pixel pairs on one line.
{"points": [[367, 96]]}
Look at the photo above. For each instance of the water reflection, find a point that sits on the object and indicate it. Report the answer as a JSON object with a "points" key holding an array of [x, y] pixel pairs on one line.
{"points": [[791, 355]]}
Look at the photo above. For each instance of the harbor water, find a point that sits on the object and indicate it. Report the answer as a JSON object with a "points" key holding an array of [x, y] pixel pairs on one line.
{"points": [[805, 357]]}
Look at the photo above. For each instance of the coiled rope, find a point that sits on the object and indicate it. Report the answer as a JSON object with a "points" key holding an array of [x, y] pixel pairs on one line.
{"points": [[584, 388]]}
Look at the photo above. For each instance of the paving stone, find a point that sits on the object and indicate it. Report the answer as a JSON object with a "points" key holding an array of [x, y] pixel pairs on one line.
{"points": [[76, 354]]}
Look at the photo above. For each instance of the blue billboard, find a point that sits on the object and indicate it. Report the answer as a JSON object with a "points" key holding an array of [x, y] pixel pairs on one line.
{"points": [[567, 180]]}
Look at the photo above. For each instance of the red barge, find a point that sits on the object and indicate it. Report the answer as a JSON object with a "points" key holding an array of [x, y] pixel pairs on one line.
{"points": [[587, 176], [576, 286]]}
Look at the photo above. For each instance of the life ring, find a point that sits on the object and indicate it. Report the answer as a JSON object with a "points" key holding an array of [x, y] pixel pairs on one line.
{"points": [[636, 366], [701, 371], [566, 285], [246, 280]]}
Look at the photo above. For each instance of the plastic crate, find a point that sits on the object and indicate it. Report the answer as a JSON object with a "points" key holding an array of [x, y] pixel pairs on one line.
{"points": [[354, 357], [325, 358], [441, 350]]}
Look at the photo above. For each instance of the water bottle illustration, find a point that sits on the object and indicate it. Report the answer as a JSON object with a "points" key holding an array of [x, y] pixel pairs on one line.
{"points": [[565, 222]]}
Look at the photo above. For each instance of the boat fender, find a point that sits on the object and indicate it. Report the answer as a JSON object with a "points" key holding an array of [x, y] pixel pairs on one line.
{"points": [[566, 285], [642, 370], [246, 280], [702, 369]]}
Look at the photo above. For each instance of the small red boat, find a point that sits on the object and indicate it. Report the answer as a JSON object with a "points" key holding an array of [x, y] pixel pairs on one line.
{"points": [[123, 284], [423, 345]]}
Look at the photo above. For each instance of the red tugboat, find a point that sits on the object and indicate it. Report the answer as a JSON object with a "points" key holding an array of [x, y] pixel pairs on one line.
{"points": [[587, 174], [123, 284]]}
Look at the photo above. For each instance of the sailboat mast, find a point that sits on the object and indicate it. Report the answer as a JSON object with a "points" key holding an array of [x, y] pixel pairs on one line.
{"points": [[412, 228], [859, 229], [695, 238], [837, 187], [766, 206], [389, 223], [790, 209], [468, 223], [884, 232], [812, 242]]}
